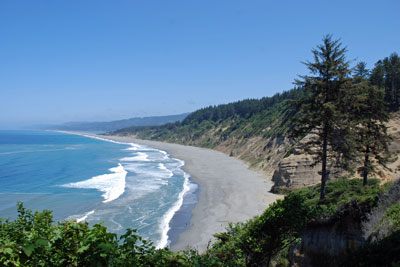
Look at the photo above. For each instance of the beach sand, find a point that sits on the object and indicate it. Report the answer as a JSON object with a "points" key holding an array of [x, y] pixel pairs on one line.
{"points": [[229, 191]]}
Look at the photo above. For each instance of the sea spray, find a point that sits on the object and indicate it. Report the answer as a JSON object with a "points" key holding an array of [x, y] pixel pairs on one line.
{"points": [[85, 216], [113, 184]]}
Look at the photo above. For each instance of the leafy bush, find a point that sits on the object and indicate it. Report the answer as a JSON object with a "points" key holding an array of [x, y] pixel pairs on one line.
{"points": [[33, 240], [260, 239], [340, 192], [393, 216]]}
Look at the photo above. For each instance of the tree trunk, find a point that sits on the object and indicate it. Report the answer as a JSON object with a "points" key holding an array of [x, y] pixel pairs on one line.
{"points": [[268, 261], [324, 156], [366, 166]]}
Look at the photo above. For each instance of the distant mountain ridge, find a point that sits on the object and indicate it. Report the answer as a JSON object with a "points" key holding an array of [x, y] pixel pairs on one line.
{"points": [[110, 126]]}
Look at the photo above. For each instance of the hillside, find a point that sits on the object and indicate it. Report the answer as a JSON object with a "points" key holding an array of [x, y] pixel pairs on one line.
{"points": [[109, 126], [256, 131], [252, 130]]}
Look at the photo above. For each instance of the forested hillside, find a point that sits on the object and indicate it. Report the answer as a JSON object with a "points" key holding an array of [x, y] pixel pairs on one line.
{"points": [[249, 129], [255, 130]]}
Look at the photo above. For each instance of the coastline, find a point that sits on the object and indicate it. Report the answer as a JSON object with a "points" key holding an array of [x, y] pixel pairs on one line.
{"points": [[229, 190]]}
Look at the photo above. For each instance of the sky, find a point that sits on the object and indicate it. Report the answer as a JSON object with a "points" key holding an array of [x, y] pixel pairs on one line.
{"points": [[104, 60]]}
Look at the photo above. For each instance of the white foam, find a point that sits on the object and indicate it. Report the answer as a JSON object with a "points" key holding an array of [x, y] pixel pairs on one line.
{"points": [[113, 184], [181, 163], [134, 147], [150, 174], [166, 219], [168, 172], [85, 216], [139, 157]]}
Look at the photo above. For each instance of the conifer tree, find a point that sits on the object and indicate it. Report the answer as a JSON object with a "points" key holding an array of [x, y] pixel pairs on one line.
{"points": [[386, 75], [321, 111], [369, 114], [360, 71], [391, 66]]}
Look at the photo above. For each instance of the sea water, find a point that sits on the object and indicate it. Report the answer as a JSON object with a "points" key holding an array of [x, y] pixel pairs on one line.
{"points": [[123, 185]]}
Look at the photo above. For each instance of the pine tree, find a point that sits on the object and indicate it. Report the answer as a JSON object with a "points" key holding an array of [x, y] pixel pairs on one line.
{"points": [[360, 71], [386, 75], [321, 111], [391, 67], [369, 114], [377, 75]]}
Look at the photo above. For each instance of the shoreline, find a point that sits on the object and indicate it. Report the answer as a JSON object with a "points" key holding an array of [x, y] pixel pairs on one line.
{"points": [[224, 195], [177, 215]]}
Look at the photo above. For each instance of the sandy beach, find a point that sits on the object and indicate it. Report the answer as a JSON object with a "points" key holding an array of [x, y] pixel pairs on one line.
{"points": [[229, 191]]}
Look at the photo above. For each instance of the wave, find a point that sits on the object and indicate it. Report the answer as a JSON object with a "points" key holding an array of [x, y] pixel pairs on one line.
{"points": [[135, 147], [168, 172], [181, 163], [85, 216], [146, 171], [166, 219], [139, 157], [113, 184]]}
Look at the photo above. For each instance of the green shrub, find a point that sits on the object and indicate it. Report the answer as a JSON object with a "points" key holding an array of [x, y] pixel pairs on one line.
{"points": [[33, 240], [260, 239]]}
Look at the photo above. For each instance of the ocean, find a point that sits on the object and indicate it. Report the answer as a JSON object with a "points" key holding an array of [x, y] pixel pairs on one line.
{"points": [[123, 185]]}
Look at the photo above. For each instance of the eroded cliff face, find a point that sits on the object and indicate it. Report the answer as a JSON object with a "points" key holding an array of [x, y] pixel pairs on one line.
{"points": [[263, 154], [299, 169], [296, 171], [290, 167], [327, 242]]}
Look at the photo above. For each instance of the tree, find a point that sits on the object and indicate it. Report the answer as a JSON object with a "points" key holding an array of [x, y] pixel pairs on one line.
{"points": [[360, 71], [386, 75], [321, 111], [369, 115], [377, 75], [391, 67]]}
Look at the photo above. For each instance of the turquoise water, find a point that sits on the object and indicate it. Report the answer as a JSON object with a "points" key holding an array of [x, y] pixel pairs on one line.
{"points": [[122, 185]]}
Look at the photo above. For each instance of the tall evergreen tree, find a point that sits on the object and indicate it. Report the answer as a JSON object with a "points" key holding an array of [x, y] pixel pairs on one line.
{"points": [[391, 66], [360, 71], [369, 114], [386, 75], [377, 75], [321, 111]]}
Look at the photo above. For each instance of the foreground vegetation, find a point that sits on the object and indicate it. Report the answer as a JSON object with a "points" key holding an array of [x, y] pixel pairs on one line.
{"points": [[33, 240]]}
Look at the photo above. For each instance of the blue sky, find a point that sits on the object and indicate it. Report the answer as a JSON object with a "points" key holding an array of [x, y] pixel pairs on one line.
{"points": [[103, 60]]}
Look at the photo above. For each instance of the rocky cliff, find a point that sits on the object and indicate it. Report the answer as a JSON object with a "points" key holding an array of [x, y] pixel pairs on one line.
{"points": [[297, 171]]}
